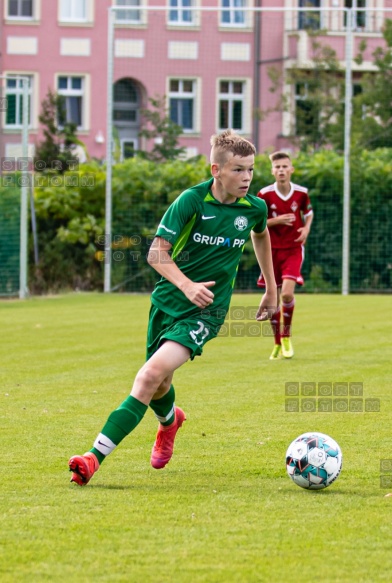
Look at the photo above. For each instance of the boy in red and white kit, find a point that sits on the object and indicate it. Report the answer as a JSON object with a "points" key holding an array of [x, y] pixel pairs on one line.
{"points": [[290, 216]]}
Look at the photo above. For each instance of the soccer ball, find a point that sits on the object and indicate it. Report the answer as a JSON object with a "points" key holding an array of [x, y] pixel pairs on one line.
{"points": [[313, 460]]}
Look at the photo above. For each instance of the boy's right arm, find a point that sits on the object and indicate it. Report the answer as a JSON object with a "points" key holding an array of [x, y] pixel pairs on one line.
{"points": [[286, 219], [159, 258]]}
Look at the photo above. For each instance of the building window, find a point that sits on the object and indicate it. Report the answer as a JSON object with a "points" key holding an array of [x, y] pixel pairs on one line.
{"points": [[231, 105], [72, 91], [125, 103], [179, 12], [128, 149], [14, 95], [309, 20], [360, 17], [20, 8], [232, 13], [132, 15], [358, 106], [182, 96], [306, 111], [73, 10]]}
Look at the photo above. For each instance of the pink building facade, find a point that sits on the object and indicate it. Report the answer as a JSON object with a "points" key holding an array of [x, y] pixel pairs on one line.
{"points": [[211, 62]]}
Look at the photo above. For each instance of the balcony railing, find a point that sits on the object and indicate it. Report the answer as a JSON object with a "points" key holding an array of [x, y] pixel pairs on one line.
{"points": [[334, 20]]}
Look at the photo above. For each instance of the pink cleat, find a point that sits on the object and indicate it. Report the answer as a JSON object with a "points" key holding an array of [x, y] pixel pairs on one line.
{"points": [[83, 468], [162, 450]]}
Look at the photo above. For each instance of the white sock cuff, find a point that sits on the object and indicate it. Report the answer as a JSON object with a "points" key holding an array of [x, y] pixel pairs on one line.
{"points": [[104, 444], [164, 419]]}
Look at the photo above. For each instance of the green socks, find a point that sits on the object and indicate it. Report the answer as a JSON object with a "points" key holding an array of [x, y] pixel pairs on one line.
{"points": [[119, 424], [128, 415], [164, 407]]}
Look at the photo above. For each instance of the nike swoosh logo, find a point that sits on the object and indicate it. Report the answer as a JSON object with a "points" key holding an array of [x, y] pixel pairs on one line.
{"points": [[206, 218], [104, 444]]}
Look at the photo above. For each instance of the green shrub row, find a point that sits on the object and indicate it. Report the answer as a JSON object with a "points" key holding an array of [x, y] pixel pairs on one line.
{"points": [[70, 213]]}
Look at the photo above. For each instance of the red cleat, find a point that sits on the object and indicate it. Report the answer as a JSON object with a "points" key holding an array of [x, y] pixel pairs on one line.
{"points": [[162, 450], [83, 468]]}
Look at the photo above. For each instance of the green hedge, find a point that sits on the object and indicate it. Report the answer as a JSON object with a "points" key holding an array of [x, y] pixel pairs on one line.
{"points": [[70, 217], [10, 197]]}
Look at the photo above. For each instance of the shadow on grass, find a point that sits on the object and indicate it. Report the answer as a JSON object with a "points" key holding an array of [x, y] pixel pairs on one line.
{"points": [[113, 487], [335, 493]]}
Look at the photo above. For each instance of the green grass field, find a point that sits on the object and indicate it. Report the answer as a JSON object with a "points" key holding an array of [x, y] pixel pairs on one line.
{"points": [[224, 509]]}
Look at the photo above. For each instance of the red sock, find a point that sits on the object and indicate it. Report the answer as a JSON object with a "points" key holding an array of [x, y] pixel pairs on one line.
{"points": [[287, 310], [275, 325]]}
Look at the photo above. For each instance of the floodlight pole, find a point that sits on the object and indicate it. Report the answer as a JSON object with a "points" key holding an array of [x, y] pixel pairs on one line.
{"points": [[24, 177], [109, 157]]}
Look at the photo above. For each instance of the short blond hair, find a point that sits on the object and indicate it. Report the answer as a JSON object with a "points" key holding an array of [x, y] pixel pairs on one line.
{"points": [[229, 143]]}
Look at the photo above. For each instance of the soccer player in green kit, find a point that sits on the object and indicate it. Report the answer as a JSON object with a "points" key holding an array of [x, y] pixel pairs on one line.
{"points": [[196, 250]]}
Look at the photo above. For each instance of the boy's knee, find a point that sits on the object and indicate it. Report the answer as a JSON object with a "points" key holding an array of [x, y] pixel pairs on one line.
{"points": [[287, 298], [149, 376]]}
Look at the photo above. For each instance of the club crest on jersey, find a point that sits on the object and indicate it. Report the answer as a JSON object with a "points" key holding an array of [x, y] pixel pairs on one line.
{"points": [[241, 223], [294, 206]]}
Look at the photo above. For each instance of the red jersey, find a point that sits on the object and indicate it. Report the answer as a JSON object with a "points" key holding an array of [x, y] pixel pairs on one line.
{"points": [[297, 202]]}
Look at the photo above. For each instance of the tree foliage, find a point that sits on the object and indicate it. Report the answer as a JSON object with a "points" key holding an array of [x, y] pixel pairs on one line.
{"points": [[373, 122], [164, 133], [316, 93], [56, 151], [319, 92]]}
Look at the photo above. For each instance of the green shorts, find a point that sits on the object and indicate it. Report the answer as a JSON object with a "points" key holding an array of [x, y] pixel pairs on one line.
{"points": [[192, 331]]}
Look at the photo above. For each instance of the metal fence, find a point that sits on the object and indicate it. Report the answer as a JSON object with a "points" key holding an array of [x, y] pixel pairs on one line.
{"points": [[14, 185], [256, 38]]}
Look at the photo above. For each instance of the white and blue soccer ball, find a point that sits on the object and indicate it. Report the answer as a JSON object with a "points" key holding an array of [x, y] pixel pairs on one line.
{"points": [[313, 460]]}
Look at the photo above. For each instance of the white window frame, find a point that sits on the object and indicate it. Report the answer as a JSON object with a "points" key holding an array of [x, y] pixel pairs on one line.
{"points": [[19, 16], [245, 97], [232, 9], [181, 94], [358, 15], [180, 8], [73, 5], [131, 21], [33, 19], [232, 97], [18, 91], [124, 105], [84, 93], [303, 16], [87, 20]]}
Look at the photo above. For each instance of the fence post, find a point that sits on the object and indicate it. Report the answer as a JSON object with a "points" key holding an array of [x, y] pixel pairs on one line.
{"points": [[109, 157], [24, 177], [351, 13]]}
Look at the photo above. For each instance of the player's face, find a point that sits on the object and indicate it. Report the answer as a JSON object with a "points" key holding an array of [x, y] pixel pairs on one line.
{"points": [[282, 170], [234, 177]]}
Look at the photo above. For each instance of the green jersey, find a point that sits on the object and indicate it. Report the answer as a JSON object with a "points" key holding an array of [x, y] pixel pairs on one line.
{"points": [[207, 239]]}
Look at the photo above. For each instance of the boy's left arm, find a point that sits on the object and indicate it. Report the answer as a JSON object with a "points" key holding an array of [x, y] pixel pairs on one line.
{"points": [[269, 302]]}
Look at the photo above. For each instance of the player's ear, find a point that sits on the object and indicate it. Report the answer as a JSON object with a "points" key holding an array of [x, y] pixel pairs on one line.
{"points": [[215, 169]]}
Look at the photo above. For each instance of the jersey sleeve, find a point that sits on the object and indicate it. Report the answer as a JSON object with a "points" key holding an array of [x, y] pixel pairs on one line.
{"points": [[307, 208], [179, 213], [262, 219]]}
